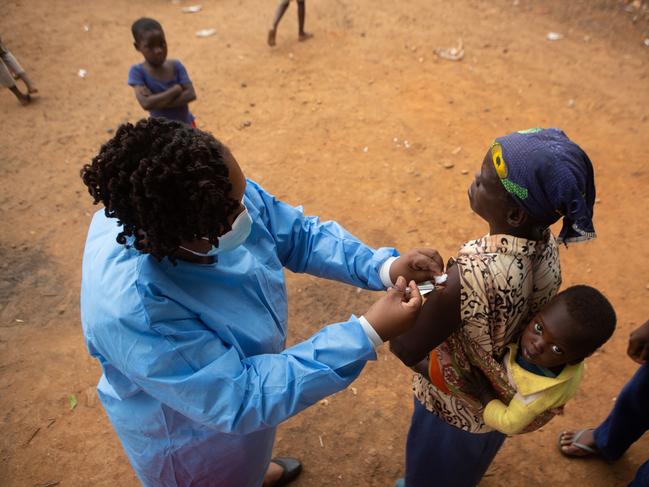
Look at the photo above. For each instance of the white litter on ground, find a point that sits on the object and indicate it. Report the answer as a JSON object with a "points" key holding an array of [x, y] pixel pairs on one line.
{"points": [[205, 32], [192, 9]]}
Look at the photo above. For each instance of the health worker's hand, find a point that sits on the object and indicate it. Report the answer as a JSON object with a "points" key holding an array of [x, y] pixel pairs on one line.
{"points": [[417, 265], [396, 311], [638, 348]]}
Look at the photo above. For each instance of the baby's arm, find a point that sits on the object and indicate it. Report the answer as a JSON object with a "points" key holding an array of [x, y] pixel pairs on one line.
{"points": [[438, 319], [150, 101], [508, 419], [511, 419]]}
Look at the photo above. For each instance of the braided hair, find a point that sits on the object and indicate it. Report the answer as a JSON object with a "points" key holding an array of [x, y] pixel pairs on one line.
{"points": [[165, 183]]}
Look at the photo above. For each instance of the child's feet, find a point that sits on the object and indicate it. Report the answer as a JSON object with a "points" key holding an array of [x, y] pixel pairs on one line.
{"points": [[28, 83], [271, 37], [23, 98], [579, 443], [304, 36]]}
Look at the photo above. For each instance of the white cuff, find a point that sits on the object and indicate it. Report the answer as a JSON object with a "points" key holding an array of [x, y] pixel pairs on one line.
{"points": [[384, 272], [371, 333]]}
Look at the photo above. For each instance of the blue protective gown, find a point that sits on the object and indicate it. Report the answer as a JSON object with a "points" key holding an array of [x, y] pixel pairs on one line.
{"points": [[195, 374]]}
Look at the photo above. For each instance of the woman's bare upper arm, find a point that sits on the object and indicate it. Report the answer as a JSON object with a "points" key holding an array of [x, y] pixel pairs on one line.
{"points": [[438, 319]]}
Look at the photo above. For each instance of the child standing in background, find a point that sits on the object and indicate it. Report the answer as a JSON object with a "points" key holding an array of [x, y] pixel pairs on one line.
{"points": [[10, 70], [301, 15], [162, 86]]}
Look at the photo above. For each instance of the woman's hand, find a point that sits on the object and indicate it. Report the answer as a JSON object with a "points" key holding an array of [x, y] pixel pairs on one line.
{"points": [[638, 348], [396, 311], [417, 265], [478, 386]]}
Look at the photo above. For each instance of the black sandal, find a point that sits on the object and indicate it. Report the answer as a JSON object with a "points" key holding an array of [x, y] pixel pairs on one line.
{"points": [[292, 468]]}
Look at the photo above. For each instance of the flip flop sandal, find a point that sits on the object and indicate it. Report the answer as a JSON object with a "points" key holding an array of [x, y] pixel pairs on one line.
{"points": [[292, 468], [575, 442]]}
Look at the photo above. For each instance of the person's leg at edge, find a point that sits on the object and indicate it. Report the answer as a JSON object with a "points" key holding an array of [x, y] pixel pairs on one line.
{"points": [[628, 420], [625, 424], [642, 476], [440, 454], [279, 13], [301, 17]]}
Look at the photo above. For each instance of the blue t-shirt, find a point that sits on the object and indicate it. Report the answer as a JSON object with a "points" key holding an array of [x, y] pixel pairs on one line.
{"points": [[138, 75]]}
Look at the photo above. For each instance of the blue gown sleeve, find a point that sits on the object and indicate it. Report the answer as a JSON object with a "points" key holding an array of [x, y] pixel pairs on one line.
{"points": [[323, 249], [201, 376]]}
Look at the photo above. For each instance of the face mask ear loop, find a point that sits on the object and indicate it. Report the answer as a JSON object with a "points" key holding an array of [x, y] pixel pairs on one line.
{"points": [[240, 235]]}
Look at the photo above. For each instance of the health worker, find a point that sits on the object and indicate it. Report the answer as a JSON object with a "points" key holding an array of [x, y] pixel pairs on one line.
{"points": [[184, 304]]}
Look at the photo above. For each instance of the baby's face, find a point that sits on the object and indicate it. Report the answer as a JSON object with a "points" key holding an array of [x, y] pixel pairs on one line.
{"points": [[550, 339]]}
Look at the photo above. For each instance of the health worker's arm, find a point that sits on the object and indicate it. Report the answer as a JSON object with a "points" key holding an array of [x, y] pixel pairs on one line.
{"points": [[323, 249], [189, 368], [439, 318]]}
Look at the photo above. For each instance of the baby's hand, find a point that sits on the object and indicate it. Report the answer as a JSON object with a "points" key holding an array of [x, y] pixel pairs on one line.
{"points": [[477, 385]]}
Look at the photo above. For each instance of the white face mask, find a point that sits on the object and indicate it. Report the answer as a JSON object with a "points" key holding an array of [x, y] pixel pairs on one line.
{"points": [[237, 235]]}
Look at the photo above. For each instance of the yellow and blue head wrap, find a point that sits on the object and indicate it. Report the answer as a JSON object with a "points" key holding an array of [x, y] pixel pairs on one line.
{"points": [[551, 177]]}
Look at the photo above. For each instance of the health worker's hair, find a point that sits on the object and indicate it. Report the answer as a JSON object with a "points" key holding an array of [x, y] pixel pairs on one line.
{"points": [[165, 183]]}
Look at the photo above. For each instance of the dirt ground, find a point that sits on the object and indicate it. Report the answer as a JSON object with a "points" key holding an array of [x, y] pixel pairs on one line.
{"points": [[328, 125]]}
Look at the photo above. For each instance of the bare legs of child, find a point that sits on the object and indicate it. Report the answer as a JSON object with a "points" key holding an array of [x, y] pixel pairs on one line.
{"points": [[7, 80], [23, 98], [301, 16], [10, 69], [31, 89]]}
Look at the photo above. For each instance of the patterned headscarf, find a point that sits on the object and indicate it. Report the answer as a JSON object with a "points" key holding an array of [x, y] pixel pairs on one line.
{"points": [[550, 177]]}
